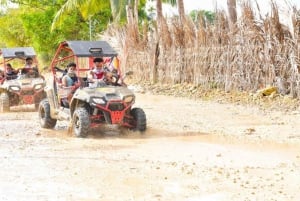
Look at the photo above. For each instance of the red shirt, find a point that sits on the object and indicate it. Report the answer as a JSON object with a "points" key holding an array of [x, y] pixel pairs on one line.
{"points": [[98, 74]]}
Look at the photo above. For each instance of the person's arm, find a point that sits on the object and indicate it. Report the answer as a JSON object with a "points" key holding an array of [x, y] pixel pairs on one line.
{"points": [[2, 77], [90, 75], [64, 81]]}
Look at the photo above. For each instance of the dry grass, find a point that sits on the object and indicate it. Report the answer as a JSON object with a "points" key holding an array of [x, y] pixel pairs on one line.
{"points": [[252, 54]]}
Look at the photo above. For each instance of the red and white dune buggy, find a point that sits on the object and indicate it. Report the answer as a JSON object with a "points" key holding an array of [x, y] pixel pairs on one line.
{"points": [[89, 104]]}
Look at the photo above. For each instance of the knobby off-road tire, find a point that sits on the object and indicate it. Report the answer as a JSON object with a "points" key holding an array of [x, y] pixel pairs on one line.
{"points": [[37, 103], [44, 114], [139, 117], [81, 122], [4, 102]]}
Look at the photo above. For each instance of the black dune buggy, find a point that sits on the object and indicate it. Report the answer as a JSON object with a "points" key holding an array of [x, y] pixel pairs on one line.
{"points": [[89, 104], [26, 87]]}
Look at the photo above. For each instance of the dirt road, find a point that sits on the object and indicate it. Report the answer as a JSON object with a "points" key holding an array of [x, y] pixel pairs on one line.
{"points": [[192, 151]]}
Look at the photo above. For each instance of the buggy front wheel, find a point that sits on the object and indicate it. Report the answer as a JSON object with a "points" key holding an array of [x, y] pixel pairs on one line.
{"points": [[81, 122], [139, 119], [44, 114]]}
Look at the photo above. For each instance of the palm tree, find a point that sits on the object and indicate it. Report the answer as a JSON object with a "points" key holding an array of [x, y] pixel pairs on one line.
{"points": [[163, 31], [180, 6], [161, 21], [159, 12], [89, 8]]}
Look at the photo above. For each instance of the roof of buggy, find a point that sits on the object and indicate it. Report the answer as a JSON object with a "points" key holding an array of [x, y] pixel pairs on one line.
{"points": [[83, 48], [17, 52]]}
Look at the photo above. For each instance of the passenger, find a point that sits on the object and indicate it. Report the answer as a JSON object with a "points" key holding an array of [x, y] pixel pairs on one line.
{"points": [[10, 73], [70, 79]]}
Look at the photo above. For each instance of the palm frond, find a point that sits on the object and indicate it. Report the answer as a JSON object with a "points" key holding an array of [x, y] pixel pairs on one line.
{"points": [[172, 2], [87, 8], [66, 8]]}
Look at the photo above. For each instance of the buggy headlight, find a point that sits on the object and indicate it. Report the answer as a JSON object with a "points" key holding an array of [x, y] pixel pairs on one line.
{"points": [[14, 88], [38, 86], [98, 100], [128, 99]]}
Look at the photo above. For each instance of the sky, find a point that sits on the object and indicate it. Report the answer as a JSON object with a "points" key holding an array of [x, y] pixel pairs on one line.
{"points": [[212, 4], [222, 4], [284, 7]]}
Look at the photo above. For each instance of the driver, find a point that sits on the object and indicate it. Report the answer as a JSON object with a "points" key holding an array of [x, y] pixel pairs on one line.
{"points": [[29, 63], [99, 72], [10, 72], [30, 69]]}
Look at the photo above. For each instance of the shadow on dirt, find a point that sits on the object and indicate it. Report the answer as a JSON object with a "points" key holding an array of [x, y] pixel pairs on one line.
{"points": [[111, 132], [23, 108]]}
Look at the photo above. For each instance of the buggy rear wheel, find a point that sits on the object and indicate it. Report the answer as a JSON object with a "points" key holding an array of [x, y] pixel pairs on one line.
{"points": [[139, 119], [81, 122], [4, 102], [44, 114]]}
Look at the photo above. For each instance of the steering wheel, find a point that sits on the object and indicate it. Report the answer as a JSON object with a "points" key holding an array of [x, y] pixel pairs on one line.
{"points": [[112, 78]]}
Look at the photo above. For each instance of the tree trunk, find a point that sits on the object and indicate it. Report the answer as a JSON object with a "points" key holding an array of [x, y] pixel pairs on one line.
{"points": [[159, 14], [132, 25], [114, 4], [136, 15], [181, 12], [155, 63], [231, 4], [162, 26], [129, 15]]}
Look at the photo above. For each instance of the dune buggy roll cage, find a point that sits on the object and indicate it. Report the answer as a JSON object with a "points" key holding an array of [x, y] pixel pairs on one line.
{"points": [[21, 53], [75, 50]]}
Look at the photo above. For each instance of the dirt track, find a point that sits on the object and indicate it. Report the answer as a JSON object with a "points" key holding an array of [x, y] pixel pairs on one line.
{"points": [[192, 151]]}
